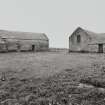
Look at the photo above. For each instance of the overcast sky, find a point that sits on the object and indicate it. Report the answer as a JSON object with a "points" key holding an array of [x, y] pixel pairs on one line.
{"points": [[57, 18]]}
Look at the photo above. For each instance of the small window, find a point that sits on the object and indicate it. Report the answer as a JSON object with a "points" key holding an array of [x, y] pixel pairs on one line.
{"points": [[78, 38]]}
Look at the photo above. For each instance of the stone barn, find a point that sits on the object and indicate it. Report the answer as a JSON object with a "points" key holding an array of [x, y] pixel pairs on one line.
{"points": [[83, 40], [23, 41]]}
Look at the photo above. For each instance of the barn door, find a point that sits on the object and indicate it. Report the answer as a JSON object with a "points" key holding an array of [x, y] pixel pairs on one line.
{"points": [[100, 48], [33, 47]]}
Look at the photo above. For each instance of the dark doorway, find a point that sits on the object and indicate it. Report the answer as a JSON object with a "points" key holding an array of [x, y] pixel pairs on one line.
{"points": [[33, 47], [100, 48]]}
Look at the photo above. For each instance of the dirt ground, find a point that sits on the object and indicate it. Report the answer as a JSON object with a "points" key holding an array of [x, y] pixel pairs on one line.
{"points": [[47, 63]]}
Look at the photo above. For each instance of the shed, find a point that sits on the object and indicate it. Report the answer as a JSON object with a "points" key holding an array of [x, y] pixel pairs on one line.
{"points": [[24, 41], [83, 40]]}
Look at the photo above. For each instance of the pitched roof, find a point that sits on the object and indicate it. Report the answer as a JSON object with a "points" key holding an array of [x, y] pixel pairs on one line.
{"points": [[96, 38], [22, 35]]}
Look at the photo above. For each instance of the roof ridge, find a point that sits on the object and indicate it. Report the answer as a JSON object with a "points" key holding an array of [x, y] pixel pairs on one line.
{"points": [[22, 31]]}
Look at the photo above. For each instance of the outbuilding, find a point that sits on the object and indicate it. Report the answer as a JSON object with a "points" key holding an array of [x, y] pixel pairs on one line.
{"points": [[23, 41], [83, 40]]}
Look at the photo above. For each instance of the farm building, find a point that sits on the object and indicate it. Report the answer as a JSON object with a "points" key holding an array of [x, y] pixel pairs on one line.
{"points": [[82, 40], [23, 41]]}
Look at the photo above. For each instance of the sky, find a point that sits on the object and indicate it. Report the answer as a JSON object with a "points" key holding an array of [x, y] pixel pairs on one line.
{"points": [[57, 18]]}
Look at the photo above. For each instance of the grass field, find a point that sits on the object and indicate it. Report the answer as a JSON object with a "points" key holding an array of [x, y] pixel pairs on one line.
{"points": [[46, 76], [47, 63]]}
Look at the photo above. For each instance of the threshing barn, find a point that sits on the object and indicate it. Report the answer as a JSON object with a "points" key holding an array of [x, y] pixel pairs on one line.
{"points": [[82, 40], [23, 41]]}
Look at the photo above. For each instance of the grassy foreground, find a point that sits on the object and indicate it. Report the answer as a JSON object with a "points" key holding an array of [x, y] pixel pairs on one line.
{"points": [[59, 89], [52, 79]]}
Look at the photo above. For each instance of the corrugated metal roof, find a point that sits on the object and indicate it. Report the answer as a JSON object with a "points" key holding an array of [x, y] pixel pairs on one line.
{"points": [[22, 35]]}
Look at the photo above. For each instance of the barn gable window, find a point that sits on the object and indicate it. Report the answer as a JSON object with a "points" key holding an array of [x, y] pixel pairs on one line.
{"points": [[78, 38]]}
